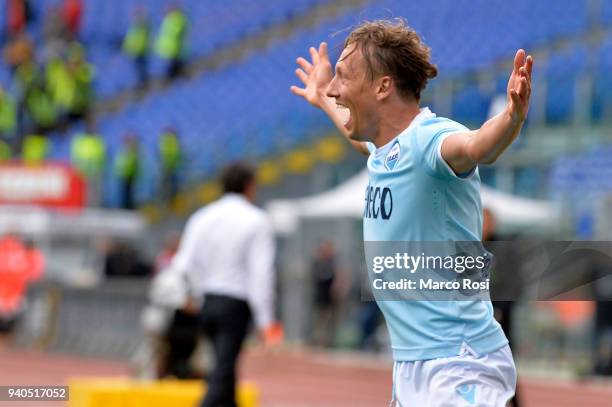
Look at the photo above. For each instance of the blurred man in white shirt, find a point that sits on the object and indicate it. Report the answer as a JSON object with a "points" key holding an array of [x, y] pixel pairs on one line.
{"points": [[227, 256]]}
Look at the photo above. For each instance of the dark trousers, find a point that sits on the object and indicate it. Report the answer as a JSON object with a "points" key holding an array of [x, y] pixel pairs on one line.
{"points": [[182, 340], [225, 321]]}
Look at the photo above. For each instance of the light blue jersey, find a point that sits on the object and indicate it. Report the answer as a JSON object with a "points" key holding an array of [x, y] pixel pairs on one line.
{"points": [[413, 195]]}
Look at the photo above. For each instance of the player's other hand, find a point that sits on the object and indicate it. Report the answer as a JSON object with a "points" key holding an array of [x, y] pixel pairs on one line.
{"points": [[274, 334], [519, 87], [315, 75], [270, 338]]}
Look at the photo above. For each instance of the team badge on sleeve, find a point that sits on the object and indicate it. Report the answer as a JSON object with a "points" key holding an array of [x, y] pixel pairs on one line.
{"points": [[392, 156]]}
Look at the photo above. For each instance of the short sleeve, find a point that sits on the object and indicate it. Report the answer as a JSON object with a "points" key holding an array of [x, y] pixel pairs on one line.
{"points": [[430, 136]]}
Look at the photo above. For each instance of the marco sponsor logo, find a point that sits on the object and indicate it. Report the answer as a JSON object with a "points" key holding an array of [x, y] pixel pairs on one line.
{"points": [[378, 203]]}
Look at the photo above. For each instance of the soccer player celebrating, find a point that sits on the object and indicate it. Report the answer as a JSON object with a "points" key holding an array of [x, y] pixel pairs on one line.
{"points": [[446, 353]]}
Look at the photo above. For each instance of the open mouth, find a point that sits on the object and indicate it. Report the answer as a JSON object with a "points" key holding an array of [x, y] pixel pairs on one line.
{"points": [[345, 114]]}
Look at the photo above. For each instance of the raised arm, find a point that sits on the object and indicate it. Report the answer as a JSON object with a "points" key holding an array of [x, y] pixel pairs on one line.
{"points": [[316, 76], [463, 151]]}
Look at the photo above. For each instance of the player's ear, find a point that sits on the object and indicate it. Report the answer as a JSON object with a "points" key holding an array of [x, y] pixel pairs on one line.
{"points": [[384, 87]]}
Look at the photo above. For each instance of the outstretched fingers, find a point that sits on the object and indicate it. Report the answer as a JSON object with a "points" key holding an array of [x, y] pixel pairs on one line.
{"points": [[314, 55], [519, 59], [323, 54], [529, 65], [525, 71], [304, 64], [523, 88], [298, 91], [525, 75], [304, 70], [302, 75], [313, 73], [516, 99], [521, 78]]}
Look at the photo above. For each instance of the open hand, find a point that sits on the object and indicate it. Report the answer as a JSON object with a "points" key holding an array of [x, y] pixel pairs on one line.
{"points": [[315, 76], [519, 86]]}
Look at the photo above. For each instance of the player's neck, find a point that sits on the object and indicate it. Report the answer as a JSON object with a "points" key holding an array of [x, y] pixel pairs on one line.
{"points": [[394, 118]]}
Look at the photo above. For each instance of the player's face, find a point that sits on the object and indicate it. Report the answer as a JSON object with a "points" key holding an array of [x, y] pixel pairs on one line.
{"points": [[354, 93]]}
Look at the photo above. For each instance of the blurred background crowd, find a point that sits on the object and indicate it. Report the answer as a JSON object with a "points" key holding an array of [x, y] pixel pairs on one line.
{"points": [[116, 117]]}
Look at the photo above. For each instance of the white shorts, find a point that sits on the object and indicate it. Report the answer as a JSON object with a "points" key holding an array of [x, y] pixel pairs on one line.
{"points": [[466, 380]]}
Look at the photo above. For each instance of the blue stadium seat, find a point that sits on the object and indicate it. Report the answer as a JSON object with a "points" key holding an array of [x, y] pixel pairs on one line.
{"points": [[602, 84], [564, 69], [470, 105]]}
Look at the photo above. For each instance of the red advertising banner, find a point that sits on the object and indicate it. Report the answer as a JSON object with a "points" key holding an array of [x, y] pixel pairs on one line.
{"points": [[50, 184]]}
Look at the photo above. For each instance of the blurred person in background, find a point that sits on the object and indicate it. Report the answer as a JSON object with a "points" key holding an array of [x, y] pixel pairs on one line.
{"points": [[136, 44], [25, 77], [171, 157], [507, 281], [69, 82], [19, 56], [8, 115], [82, 75], [602, 286], [18, 51], [41, 113], [60, 85], [5, 151], [88, 156], [180, 341], [15, 17], [171, 39], [35, 149], [35, 259], [324, 275], [227, 257], [170, 321], [55, 32], [369, 320], [180, 338], [72, 11], [127, 170], [22, 263], [19, 14]]}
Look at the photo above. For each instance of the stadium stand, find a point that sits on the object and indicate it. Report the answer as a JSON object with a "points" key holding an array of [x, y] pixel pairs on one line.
{"points": [[213, 26], [245, 109], [519, 24], [589, 173]]}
